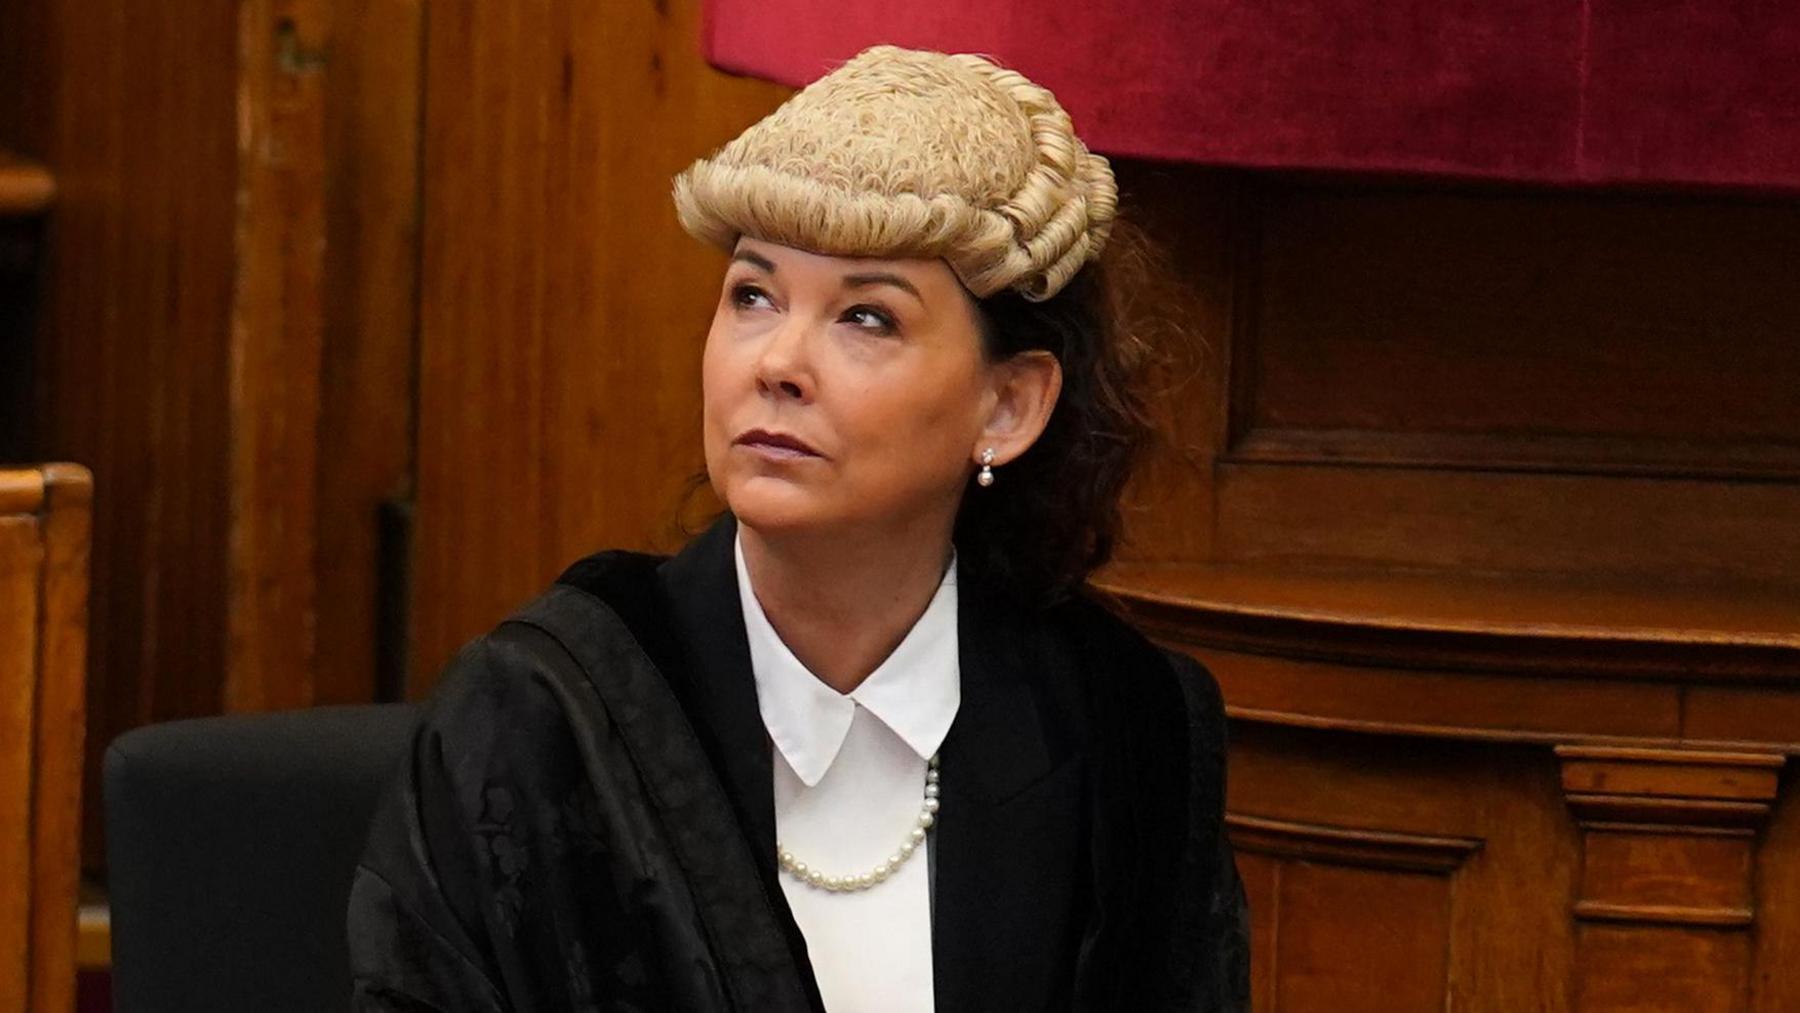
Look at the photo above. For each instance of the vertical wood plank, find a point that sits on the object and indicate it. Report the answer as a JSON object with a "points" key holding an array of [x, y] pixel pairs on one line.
{"points": [[61, 683], [372, 103], [1262, 891], [21, 559], [1774, 986], [276, 353]]}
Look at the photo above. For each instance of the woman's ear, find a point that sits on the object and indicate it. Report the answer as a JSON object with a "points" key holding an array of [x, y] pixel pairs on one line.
{"points": [[1025, 390]]}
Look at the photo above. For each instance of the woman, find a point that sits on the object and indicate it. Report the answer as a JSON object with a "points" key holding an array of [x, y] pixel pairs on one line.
{"points": [[863, 744]]}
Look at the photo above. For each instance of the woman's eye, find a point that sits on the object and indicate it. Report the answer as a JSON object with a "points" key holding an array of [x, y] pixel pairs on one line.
{"points": [[742, 295], [871, 319]]}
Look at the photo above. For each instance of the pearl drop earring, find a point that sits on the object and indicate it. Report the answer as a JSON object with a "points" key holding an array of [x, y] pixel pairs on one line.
{"points": [[986, 477]]}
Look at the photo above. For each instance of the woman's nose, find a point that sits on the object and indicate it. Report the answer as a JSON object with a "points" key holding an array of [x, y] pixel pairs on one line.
{"points": [[781, 366]]}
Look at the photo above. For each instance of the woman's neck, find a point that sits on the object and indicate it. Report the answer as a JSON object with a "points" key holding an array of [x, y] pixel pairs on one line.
{"points": [[843, 603]]}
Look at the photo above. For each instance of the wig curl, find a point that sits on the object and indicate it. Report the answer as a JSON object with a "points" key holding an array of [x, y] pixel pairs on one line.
{"points": [[912, 153]]}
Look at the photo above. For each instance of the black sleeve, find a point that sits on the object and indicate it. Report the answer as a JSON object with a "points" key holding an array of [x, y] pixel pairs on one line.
{"points": [[515, 862], [417, 937], [1216, 911]]}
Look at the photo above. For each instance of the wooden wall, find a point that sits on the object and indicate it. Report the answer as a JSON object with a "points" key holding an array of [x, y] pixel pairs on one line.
{"points": [[1483, 508], [1488, 379], [1483, 503], [131, 360], [335, 301], [563, 309]]}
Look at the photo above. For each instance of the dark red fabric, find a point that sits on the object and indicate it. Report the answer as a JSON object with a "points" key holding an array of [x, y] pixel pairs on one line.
{"points": [[1659, 92]]}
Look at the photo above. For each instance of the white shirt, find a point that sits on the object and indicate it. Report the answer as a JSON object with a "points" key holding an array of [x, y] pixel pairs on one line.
{"points": [[849, 781]]}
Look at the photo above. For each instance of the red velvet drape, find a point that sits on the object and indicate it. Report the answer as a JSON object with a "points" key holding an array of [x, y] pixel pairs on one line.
{"points": [[1683, 92]]}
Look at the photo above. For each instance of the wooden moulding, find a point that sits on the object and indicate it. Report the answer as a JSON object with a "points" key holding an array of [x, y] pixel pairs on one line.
{"points": [[1380, 849], [1556, 628], [1310, 886], [1690, 788], [1583, 455], [1666, 879], [1668, 860], [1668, 836], [1484, 658]]}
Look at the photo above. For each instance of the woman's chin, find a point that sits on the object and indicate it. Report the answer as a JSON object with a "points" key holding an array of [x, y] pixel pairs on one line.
{"points": [[773, 506]]}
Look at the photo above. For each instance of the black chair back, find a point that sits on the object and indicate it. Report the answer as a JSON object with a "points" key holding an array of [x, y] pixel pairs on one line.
{"points": [[230, 846]]}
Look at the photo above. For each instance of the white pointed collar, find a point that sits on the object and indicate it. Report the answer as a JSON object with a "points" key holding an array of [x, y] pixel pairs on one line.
{"points": [[915, 691]]}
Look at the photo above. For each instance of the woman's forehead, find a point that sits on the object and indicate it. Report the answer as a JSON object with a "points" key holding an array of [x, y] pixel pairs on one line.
{"points": [[802, 259]]}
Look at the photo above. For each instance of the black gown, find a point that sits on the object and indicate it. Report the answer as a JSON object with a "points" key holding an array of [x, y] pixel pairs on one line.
{"points": [[586, 819]]}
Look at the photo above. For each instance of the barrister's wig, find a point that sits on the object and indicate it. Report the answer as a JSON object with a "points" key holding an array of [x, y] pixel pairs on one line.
{"points": [[909, 153]]}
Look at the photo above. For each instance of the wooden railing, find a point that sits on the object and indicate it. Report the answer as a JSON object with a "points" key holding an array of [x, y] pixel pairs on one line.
{"points": [[44, 537]]}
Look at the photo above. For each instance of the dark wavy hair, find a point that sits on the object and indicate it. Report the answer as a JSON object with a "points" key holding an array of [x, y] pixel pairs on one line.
{"points": [[1054, 514]]}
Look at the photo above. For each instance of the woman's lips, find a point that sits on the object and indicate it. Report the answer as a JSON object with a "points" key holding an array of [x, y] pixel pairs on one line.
{"points": [[776, 446]]}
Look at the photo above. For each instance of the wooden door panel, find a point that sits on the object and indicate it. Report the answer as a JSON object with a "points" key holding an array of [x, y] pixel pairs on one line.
{"points": [[1354, 939], [1687, 969], [1393, 873]]}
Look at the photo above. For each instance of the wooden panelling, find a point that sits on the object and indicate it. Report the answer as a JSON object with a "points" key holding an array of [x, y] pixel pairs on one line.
{"points": [[324, 338], [1563, 344], [20, 248], [1441, 463], [226, 334], [43, 633], [1262, 891], [1668, 841], [1308, 842], [1435, 379], [17, 75], [276, 354], [134, 108], [563, 309], [1488, 521], [1398, 701], [1694, 878], [1361, 941], [1777, 877], [1693, 970], [21, 563], [1444, 868], [1725, 777], [1348, 918], [1191, 219], [1740, 714], [1556, 627], [373, 101], [1663, 859], [61, 729]]}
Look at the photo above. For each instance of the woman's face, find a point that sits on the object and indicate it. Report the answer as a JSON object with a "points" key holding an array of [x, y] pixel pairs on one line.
{"points": [[843, 392]]}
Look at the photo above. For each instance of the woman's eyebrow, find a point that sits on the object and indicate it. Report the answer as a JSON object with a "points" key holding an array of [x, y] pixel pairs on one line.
{"points": [[881, 278], [756, 259]]}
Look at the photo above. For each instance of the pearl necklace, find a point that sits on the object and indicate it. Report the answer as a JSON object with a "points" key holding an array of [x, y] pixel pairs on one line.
{"points": [[915, 839]]}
